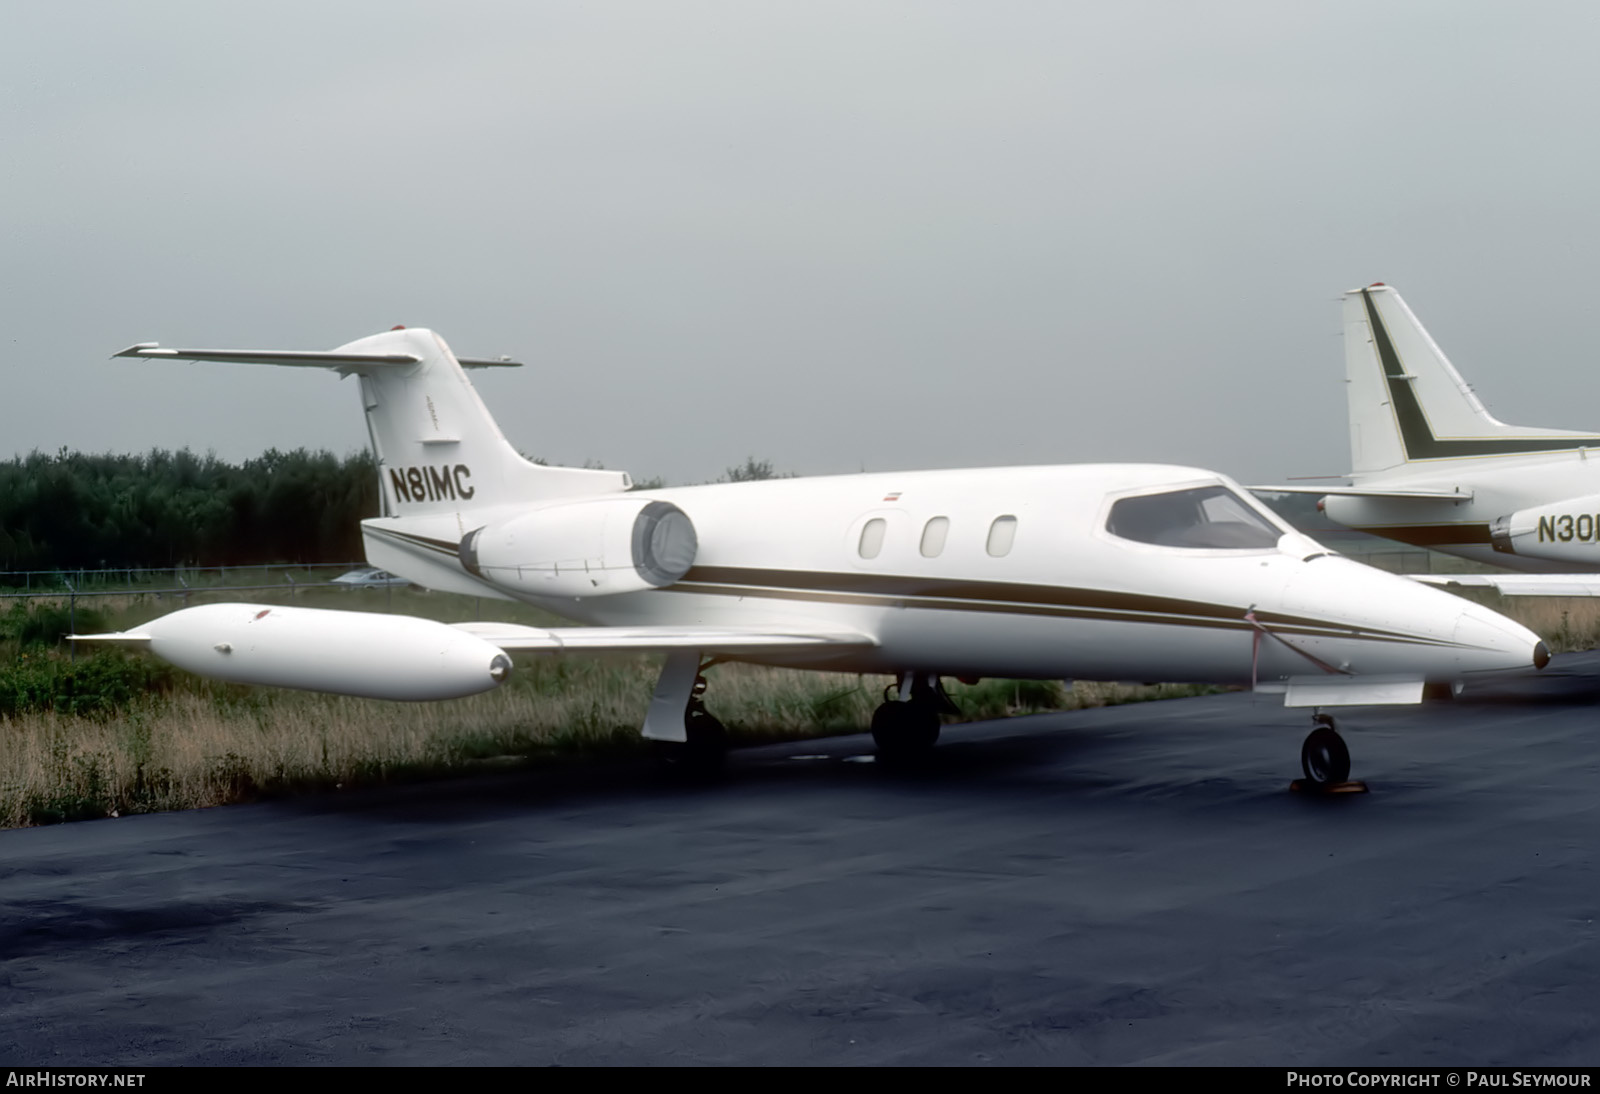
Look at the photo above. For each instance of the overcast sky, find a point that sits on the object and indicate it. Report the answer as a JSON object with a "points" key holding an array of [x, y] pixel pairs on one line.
{"points": [[833, 235]]}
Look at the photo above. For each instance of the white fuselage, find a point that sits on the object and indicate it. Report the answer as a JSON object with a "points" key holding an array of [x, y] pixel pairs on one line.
{"points": [[1054, 595]]}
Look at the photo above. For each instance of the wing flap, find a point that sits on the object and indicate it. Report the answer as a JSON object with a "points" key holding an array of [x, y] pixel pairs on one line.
{"points": [[513, 637]]}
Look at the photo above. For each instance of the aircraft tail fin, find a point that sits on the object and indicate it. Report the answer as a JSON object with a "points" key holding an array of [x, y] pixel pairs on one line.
{"points": [[439, 451], [1409, 405]]}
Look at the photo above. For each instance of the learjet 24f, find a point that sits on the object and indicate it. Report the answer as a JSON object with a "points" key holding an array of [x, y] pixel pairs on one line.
{"points": [[1096, 571]]}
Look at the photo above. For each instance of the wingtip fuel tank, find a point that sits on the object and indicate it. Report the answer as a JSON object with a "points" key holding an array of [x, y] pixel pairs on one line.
{"points": [[346, 653]]}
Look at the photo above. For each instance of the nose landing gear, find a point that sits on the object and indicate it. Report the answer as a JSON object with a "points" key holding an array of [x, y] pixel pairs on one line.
{"points": [[1325, 759]]}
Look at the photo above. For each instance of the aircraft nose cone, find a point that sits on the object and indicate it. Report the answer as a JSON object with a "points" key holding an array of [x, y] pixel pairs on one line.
{"points": [[1490, 642]]}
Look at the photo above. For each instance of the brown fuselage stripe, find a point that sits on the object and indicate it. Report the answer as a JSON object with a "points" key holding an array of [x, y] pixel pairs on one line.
{"points": [[1012, 598], [895, 591], [901, 585], [438, 546]]}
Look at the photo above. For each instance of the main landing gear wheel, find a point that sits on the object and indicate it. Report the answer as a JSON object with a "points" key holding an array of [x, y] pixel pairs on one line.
{"points": [[707, 746], [904, 729], [906, 724], [1324, 757]]}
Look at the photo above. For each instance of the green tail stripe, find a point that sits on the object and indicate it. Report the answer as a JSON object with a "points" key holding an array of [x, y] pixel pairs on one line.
{"points": [[1417, 435]]}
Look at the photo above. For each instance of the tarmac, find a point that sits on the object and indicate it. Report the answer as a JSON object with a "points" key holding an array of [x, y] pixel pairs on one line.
{"points": [[1130, 885]]}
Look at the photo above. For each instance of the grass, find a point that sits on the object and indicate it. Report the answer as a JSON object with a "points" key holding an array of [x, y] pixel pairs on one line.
{"points": [[201, 744], [1566, 623], [113, 733]]}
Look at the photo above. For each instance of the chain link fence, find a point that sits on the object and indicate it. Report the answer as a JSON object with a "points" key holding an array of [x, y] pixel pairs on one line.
{"points": [[35, 584]]}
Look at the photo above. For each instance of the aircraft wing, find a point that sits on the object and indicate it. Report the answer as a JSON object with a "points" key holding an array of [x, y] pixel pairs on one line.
{"points": [[513, 637], [1518, 584], [380, 656], [1367, 492]]}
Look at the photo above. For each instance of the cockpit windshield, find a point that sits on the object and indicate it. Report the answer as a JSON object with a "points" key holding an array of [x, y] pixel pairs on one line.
{"points": [[1209, 516]]}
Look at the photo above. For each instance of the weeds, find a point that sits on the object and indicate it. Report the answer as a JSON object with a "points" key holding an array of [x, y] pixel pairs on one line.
{"points": [[116, 733]]}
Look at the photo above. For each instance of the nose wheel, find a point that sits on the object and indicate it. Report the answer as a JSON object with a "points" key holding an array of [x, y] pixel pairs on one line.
{"points": [[1325, 759]]}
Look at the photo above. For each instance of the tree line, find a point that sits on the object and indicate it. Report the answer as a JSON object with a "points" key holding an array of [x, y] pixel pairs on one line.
{"points": [[73, 510], [159, 509]]}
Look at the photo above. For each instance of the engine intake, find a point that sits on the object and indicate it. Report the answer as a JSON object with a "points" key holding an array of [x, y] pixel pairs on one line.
{"points": [[600, 547], [1566, 531], [1500, 537]]}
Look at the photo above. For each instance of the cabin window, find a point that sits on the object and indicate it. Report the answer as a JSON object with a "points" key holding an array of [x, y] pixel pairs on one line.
{"points": [[872, 537], [1211, 516], [1002, 533], [933, 536]]}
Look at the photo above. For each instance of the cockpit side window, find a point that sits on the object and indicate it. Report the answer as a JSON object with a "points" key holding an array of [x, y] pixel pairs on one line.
{"points": [[1209, 517]]}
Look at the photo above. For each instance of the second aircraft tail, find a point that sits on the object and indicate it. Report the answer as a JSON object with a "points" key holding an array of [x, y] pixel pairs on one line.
{"points": [[1408, 404]]}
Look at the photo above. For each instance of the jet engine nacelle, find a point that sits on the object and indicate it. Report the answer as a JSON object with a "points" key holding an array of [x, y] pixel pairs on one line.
{"points": [[597, 547], [344, 653], [1565, 531]]}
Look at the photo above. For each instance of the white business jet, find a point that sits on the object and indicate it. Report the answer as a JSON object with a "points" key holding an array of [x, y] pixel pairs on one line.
{"points": [[1430, 466], [1115, 572]]}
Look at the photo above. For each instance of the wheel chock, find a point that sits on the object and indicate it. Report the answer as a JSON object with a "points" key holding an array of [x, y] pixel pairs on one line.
{"points": [[1350, 786]]}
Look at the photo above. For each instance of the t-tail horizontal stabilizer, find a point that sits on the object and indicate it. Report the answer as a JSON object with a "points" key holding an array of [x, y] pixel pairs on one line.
{"points": [[440, 454], [344, 362]]}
